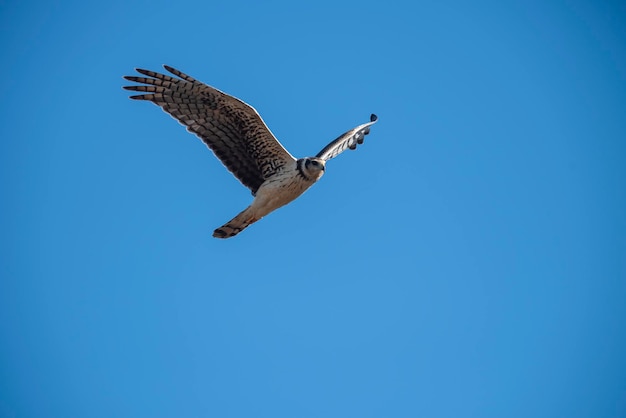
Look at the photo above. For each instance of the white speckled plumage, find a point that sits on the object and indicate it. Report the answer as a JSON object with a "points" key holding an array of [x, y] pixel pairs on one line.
{"points": [[237, 135]]}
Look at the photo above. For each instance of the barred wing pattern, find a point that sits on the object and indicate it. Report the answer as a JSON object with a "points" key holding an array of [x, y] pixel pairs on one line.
{"points": [[347, 140], [232, 129]]}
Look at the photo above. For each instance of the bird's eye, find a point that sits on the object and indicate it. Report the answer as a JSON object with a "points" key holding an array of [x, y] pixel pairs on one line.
{"points": [[314, 162]]}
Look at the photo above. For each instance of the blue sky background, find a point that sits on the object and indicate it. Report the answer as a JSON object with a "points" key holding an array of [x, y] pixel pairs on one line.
{"points": [[469, 260]]}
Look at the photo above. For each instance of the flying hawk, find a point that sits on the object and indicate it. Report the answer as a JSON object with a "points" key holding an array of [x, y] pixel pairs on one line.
{"points": [[237, 135]]}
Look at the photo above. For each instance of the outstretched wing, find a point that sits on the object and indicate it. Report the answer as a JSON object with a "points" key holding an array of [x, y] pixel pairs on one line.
{"points": [[349, 139], [228, 126]]}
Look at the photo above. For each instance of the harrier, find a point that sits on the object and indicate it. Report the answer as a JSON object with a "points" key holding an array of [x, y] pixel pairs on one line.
{"points": [[237, 135]]}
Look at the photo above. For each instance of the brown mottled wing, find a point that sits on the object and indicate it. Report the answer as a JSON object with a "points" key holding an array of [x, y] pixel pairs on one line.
{"points": [[232, 129], [347, 140]]}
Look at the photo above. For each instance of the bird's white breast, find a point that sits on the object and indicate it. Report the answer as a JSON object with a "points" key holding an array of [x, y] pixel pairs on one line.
{"points": [[278, 190]]}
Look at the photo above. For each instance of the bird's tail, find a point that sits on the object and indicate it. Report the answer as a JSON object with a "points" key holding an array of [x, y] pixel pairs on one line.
{"points": [[236, 225]]}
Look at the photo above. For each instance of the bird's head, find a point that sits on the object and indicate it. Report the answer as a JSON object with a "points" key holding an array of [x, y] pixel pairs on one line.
{"points": [[314, 167]]}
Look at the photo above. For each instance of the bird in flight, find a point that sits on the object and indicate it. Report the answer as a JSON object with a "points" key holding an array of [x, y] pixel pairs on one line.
{"points": [[235, 132]]}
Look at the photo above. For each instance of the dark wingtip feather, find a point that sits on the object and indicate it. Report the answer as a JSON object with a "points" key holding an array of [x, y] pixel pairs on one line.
{"points": [[170, 69], [373, 118], [135, 88], [145, 72]]}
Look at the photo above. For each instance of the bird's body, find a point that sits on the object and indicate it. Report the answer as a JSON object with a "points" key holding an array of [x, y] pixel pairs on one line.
{"points": [[278, 190], [241, 140]]}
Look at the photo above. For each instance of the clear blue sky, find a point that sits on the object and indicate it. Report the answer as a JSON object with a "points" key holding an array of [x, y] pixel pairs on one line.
{"points": [[469, 260]]}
